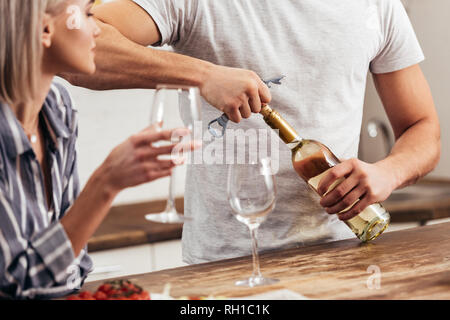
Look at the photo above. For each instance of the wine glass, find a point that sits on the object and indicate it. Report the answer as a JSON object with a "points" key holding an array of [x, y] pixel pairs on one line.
{"points": [[251, 193], [174, 105]]}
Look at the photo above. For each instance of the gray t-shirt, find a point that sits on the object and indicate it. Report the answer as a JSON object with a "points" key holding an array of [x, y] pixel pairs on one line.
{"points": [[325, 48]]}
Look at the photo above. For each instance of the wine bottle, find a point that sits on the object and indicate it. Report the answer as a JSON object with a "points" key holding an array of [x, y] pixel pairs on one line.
{"points": [[312, 160]]}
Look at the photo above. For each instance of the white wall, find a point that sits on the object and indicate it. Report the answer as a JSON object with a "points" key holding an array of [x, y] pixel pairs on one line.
{"points": [[106, 119], [431, 19]]}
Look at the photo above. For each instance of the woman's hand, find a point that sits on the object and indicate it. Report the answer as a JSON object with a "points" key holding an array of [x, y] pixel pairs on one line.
{"points": [[135, 161], [370, 183]]}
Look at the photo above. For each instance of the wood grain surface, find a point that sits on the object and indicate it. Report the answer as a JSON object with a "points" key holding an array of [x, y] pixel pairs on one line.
{"points": [[414, 264], [126, 226]]}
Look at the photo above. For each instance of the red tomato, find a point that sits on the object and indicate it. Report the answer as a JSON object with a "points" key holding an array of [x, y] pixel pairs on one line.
{"points": [[145, 295], [100, 295], [85, 295], [105, 288], [134, 296], [113, 292]]}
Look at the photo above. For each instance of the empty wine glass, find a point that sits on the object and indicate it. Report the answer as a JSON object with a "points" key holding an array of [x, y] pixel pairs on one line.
{"points": [[174, 105], [251, 193]]}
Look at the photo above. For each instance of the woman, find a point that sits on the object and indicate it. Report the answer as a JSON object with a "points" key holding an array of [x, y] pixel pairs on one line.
{"points": [[44, 222]]}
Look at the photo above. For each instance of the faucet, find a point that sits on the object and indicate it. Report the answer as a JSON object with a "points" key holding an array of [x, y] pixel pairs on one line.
{"points": [[376, 127]]}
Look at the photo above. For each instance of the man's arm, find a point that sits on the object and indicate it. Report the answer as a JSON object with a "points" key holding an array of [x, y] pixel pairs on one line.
{"points": [[124, 61], [409, 105], [408, 102]]}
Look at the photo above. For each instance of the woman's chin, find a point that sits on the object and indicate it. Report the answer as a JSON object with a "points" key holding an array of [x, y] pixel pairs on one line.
{"points": [[87, 69], [92, 69]]}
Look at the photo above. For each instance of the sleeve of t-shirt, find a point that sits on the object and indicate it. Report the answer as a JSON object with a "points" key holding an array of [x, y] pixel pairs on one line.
{"points": [[174, 18], [400, 48]]}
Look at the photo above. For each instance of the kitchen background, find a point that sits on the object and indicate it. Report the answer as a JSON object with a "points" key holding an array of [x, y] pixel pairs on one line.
{"points": [[107, 118]]}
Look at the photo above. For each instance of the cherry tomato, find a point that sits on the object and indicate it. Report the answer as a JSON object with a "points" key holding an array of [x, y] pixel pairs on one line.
{"points": [[145, 295], [85, 295], [100, 295], [113, 292], [105, 288]]}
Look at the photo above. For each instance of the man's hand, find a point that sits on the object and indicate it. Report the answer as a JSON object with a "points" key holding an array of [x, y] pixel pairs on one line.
{"points": [[237, 92], [409, 105], [370, 183]]}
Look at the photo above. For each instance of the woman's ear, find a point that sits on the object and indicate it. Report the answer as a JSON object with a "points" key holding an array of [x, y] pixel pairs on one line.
{"points": [[48, 30]]}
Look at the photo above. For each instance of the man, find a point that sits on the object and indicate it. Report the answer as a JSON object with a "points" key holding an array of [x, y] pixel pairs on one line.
{"points": [[325, 50]]}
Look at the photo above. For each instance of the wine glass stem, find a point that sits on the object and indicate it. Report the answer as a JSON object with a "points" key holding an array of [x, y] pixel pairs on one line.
{"points": [[170, 201], [253, 233]]}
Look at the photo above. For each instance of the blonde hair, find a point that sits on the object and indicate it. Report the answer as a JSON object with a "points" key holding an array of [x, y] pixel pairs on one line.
{"points": [[21, 49]]}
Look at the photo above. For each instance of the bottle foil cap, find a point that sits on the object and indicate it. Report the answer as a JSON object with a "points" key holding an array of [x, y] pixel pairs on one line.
{"points": [[276, 122]]}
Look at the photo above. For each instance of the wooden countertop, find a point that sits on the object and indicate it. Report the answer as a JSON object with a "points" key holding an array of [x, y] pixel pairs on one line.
{"points": [[126, 226], [429, 199], [414, 264]]}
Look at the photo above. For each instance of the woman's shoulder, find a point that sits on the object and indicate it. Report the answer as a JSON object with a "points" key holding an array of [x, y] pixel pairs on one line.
{"points": [[2, 166], [61, 105], [60, 92]]}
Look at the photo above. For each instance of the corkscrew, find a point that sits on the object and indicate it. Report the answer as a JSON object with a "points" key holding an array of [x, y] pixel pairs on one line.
{"points": [[222, 121]]}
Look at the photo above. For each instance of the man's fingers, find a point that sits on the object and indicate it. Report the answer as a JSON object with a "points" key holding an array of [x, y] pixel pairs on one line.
{"points": [[340, 191], [357, 208], [264, 93], [348, 201], [255, 103], [245, 110], [335, 173], [234, 115]]}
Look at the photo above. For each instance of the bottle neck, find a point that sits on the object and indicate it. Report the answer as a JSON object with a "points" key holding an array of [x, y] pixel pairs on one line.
{"points": [[283, 128]]}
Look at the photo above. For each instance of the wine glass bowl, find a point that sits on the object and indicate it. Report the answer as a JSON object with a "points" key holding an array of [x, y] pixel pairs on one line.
{"points": [[173, 106], [250, 207], [251, 194]]}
